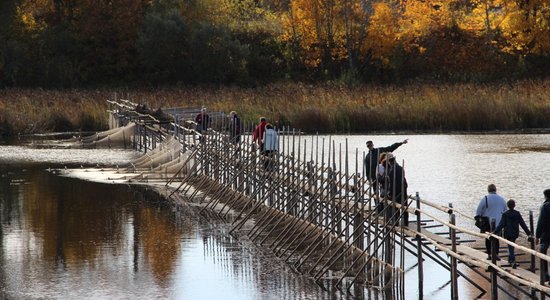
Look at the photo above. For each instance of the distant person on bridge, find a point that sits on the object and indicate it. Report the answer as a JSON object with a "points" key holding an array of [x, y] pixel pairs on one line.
{"points": [[510, 222], [381, 173], [258, 134], [234, 128], [203, 122], [271, 146], [542, 233], [492, 206], [373, 157]]}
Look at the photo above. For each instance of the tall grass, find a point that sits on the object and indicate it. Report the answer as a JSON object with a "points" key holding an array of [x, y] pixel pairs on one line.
{"points": [[311, 108]]}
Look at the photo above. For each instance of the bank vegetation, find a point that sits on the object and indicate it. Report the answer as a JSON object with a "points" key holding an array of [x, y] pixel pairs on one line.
{"points": [[327, 108]]}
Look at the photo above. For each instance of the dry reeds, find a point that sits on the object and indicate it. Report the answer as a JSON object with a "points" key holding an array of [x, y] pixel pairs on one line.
{"points": [[311, 108]]}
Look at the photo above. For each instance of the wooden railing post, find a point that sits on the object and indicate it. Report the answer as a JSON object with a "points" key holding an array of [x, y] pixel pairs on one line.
{"points": [[144, 138], [494, 254], [532, 266], [419, 249], [532, 242], [454, 274]]}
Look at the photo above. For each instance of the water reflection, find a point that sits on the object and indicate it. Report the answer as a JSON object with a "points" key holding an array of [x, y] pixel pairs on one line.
{"points": [[67, 238]]}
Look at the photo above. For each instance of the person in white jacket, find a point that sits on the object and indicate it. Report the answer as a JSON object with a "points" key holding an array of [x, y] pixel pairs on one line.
{"points": [[271, 146]]}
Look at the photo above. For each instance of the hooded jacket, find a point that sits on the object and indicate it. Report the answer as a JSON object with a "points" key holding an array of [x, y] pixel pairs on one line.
{"points": [[510, 222]]}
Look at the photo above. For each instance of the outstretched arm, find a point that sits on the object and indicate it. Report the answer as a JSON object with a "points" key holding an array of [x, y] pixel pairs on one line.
{"points": [[393, 146]]}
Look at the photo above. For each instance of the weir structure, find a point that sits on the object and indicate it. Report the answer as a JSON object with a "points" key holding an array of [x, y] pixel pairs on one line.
{"points": [[310, 205]]}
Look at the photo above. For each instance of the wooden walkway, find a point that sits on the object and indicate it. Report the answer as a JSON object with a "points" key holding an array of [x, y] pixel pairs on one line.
{"points": [[314, 211]]}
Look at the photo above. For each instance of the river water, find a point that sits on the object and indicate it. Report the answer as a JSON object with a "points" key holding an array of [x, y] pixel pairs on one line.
{"points": [[67, 238]]}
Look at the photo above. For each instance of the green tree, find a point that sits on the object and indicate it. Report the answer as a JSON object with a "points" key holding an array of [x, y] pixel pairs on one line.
{"points": [[163, 46], [217, 57]]}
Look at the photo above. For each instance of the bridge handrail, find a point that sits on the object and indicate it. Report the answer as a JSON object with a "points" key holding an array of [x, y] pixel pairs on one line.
{"points": [[447, 209], [481, 265], [478, 234], [523, 248], [482, 235]]}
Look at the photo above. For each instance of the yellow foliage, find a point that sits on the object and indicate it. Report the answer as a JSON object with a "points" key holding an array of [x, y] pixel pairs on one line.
{"points": [[31, 14], [383, 32], [422, 17]]}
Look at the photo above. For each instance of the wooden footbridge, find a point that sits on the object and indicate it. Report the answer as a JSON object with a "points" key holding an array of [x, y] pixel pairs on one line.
{"points": [[311, 207]]}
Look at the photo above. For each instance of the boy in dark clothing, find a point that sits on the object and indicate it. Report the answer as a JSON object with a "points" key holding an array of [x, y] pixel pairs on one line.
{"points": [[510, 222]]}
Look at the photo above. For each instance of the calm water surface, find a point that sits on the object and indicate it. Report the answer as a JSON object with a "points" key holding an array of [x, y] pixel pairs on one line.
{"points": [[67, 238]]}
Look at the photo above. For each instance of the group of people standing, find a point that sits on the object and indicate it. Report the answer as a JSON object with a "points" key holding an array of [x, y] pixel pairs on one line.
{"points": [[386, 176], [496, 209], [202, 120], [267, 139]]}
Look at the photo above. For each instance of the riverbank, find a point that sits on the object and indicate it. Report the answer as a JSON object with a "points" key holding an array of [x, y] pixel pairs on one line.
{"points": [[420, 107]]}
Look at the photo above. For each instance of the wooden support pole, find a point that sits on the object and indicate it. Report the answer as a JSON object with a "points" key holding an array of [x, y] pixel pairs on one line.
{"points": [[542, 277], [454, 275], [494, 272], [419, 249]]}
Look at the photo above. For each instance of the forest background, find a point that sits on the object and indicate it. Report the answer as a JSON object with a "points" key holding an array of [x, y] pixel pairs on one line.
{"points": [[319, 65]]}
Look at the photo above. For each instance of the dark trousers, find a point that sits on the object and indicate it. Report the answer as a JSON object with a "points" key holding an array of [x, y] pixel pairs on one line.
{"points": [[543, 248], [269, 160], [511, 250], [488, 244]]}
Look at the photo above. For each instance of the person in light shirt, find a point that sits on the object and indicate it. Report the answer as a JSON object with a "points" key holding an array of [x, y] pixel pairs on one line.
{"points": [[271, 146], [492, 206]]}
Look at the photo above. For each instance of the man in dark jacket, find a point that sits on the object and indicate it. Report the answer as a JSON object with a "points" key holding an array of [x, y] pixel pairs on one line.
{"points": [[510, 222], [371, 159], [234, 128], [203, 122], [397, 185], [542, 233]]}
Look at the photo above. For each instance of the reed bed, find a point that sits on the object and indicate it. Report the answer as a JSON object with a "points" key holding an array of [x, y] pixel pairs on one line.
{"points": [[312, 108]]}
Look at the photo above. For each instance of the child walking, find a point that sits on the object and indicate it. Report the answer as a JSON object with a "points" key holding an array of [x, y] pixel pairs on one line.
{"points": [[510, 222]]}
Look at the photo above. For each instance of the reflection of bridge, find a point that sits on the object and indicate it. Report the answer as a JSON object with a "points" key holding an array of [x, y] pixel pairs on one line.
{"points": [[313, 209]]}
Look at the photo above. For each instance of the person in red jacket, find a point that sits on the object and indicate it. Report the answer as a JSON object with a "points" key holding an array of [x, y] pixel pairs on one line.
{"points": [[258, 134]]}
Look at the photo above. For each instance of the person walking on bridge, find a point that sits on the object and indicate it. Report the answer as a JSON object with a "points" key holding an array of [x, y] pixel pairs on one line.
{"points": [[492, 206], [258, 134], [203, 122], [510, 222], [373, 157], [234, 128], [542, 233], [271, 147]]}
